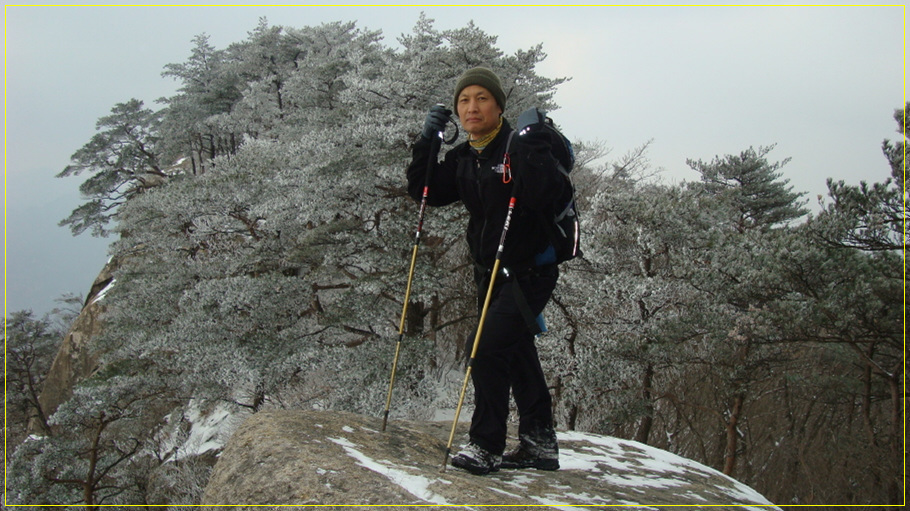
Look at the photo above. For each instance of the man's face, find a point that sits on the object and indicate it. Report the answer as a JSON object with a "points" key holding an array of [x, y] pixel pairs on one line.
{"points": [[478, 111]]}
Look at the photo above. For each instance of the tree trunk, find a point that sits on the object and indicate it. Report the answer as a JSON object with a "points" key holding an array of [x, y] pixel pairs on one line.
{"points": [[644, 427], [573, 418], [88, 487], [416, 314], [867, 398], [896, 491], [732, 435], [35, 400]]}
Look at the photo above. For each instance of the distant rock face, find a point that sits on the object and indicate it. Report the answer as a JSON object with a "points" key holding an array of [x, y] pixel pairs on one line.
{"points": [[332, 458], [73, 362]]}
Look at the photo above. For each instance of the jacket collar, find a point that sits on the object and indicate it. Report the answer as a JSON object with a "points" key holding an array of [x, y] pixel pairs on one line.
{"points": [[495, 145]]}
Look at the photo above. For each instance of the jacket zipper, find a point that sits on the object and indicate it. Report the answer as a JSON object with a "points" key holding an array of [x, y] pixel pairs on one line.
{"points": [[483, 230]]}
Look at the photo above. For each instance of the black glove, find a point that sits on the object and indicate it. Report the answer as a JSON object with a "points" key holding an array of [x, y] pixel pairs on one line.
{"points": [[530, 130], [436, 121], [530, 120]]}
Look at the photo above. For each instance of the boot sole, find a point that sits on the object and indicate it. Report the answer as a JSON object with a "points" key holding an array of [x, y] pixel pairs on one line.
{"points": [[548, 465], [477, 471]]}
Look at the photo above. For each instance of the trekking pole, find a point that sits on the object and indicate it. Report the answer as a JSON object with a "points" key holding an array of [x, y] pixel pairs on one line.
{"points": [[435, 144], [483, 317]]}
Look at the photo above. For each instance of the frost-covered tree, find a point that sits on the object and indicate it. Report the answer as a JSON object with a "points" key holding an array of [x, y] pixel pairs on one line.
{"points": [[623, 299], [871, 217], [191, 126], [30, 344], [87, 457], [764, 327], [752, 188], [275, 277], [123, 159], [861, 309], [734, 264], [269, 271]]}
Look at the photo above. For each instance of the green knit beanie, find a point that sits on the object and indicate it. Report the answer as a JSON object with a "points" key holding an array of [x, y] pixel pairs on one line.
{"points": [[486, 79]]}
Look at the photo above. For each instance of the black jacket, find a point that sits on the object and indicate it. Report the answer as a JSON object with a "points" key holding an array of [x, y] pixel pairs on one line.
{"points": [[477, 181]]}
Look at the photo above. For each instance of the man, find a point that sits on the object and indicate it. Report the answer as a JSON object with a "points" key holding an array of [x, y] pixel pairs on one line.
{"points": [[484, 175]]}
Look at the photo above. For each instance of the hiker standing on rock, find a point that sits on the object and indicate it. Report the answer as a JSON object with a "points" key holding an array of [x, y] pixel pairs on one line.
{"points": [[478, 174]]}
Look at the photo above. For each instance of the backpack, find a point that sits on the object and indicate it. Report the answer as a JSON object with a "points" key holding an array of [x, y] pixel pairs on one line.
{"points": [[562, 228]]}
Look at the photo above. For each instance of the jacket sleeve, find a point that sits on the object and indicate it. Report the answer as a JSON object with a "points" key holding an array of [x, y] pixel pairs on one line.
{"points": [[538, 180], [442, 183]]}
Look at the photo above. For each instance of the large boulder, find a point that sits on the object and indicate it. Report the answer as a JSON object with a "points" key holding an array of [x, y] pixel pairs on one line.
{"points": [[75, 361], [331, 458]]}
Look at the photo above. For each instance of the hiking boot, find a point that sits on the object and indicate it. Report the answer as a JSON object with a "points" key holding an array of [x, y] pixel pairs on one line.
{"points": [[476, 460], [537, 451]]}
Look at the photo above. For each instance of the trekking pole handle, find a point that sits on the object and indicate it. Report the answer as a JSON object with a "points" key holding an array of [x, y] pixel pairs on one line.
{"points": [[448, 141]]}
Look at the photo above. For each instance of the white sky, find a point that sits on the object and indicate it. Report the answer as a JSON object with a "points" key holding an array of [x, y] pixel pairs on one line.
{"points": [[819, 82]]}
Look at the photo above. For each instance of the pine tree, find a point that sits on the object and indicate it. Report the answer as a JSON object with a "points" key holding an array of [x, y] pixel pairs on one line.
{"points": [[124, 160], [736, 259], [192, 125], [863, 307], [266, 272], [30, 344]]}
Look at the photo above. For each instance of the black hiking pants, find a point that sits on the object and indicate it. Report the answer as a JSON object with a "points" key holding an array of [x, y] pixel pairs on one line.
{"points": [[507, 359]]}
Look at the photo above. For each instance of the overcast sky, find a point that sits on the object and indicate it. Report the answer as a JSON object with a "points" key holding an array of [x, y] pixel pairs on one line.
{"points": [[821, 83]]}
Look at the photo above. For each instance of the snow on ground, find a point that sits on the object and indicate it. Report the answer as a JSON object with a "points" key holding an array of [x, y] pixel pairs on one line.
{"points": [[614, 463], [612, 451], [609, 459], [414, 484], [209, 430]]}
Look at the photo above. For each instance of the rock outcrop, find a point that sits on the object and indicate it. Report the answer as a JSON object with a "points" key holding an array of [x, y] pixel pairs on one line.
{"points": [[74, 361], [305, 458]]}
